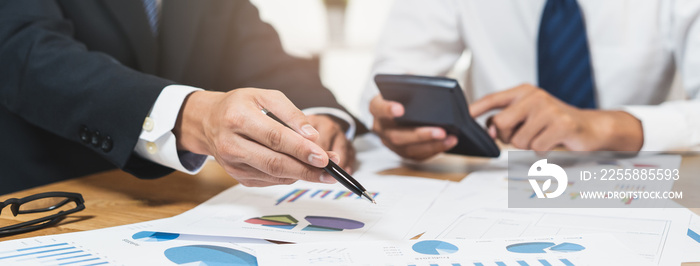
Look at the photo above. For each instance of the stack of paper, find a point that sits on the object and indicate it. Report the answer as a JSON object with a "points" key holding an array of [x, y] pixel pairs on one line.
{"points": [[466, 223]]}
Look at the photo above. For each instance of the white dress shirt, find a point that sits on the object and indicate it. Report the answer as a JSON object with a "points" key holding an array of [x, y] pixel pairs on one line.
{"points": [[636, 48], [158, 144]]}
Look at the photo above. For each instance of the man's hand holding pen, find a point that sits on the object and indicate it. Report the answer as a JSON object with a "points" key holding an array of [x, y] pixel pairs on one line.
{"points": [[250, 146], [332, 168]]}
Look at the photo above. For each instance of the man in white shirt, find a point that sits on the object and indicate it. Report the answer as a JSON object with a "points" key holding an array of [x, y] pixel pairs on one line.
{"points": [[634, 49]]}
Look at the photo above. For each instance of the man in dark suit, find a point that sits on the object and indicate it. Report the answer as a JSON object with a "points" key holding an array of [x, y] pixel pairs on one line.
{"points": [[83, 84]]}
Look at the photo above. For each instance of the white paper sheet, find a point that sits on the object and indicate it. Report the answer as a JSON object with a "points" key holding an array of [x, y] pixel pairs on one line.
{"points": [[692, 253], [306, 212], [560, 250], [477, 208], [473, 211], [648, 237], [135, 244]]}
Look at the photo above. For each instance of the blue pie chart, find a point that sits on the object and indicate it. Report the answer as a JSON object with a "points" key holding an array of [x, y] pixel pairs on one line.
{"points": [[206, 255], [434, 247], [530, 247], [544, 247], [149, 236]]}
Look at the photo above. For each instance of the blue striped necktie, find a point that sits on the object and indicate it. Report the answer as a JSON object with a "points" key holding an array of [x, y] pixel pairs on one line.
{"points": [[151, 7], [563, 58]]}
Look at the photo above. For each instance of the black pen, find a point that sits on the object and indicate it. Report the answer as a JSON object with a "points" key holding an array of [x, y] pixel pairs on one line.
{"points": [[334, 170]]}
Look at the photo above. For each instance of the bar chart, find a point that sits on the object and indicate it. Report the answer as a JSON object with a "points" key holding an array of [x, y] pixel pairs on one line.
{"points": [[319, 194], [50, 253]]}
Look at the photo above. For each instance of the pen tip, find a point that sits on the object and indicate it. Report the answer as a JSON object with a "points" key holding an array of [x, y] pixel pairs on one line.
{"points": [[369, 197]]}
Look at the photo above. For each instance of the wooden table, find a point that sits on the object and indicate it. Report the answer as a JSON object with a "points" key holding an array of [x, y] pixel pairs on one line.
{"points": [[116, 198]]}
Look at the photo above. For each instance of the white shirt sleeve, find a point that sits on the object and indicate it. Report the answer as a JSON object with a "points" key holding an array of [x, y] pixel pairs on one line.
{"points": [[668, 126], [157, 142], [676, 124]]}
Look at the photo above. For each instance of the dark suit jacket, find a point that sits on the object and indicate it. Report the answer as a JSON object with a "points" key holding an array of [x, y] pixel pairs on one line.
{"points": [[77, 78]]}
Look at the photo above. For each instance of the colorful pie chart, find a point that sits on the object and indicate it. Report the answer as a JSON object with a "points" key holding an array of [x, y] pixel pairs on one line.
{"points": [[316, 223], [283, 221]]}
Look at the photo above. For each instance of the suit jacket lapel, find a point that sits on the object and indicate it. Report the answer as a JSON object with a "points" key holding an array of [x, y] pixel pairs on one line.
{"points": [[179, 25], [131, 16]]}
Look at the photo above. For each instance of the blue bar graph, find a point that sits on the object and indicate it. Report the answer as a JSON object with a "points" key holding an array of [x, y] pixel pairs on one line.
{"points": [[694, 235], [77, 256], [45, 246], [50, 254], [79, 261], [34, 253], [59, 254], [545, 263]]}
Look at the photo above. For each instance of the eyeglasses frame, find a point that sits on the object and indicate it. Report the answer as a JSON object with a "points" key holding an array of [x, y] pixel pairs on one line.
{"points": [[39, 223]]}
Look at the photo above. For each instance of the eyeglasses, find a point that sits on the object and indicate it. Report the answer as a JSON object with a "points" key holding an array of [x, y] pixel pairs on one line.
{"points": [[60, 203]]}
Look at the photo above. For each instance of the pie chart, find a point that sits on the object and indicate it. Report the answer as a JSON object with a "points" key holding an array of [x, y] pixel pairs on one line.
{"points": [[544, 247], [567, 247], [316, 223], [149, 236], [283, 221], [434, 247], [206, 255], [326, 223]]}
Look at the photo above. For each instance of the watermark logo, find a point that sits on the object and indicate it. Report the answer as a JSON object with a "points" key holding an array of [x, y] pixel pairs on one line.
{"points": [[597, 180], [542, 168]]}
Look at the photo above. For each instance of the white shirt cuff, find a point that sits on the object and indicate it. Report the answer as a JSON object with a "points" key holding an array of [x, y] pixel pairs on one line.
{"points": [[350, 133], [157, 142], [668, 126]]}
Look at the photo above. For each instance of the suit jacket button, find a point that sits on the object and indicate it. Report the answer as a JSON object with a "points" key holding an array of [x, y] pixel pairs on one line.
{"points": [[106, 144], [95, 140], [84, 134]]}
